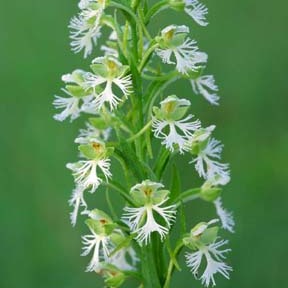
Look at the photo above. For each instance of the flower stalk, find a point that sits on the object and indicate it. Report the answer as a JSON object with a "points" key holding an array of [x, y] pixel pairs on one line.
{"points": [[135, 123]]}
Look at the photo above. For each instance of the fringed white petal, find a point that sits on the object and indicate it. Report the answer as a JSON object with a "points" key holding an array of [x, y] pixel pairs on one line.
{"points": [[225, 216]]}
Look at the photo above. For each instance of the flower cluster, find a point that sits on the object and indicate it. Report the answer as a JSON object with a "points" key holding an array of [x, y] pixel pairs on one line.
{"points": [[150, 201], [86, 26], [129, 110]]}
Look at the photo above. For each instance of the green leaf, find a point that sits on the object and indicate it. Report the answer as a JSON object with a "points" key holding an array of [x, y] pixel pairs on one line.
{"points": [[161, 162], [175, 186], [171, 254], [131, 160], [175, 193]]}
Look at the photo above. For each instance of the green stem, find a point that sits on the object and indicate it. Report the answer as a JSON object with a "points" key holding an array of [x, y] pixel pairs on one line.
{"points": [[124, 8], [147, 56], [188, 196], [148, 143], [149, 269], [135, 4], [142, 20], [171, 266], [112, 23], [142, 131], [160, 77], [156, 8], [116, 186], [110, 205]]}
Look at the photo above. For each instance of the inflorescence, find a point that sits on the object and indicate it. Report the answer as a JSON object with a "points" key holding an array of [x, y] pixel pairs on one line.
{"points": [[124, 92]]}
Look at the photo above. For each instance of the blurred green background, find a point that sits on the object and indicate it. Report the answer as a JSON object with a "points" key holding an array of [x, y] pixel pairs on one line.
{"points": [[247, 45]]}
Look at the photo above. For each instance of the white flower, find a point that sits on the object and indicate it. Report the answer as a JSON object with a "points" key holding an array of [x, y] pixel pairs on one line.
{"points": [[204, 85], [124, 83], [197, 11], [209, 168], [69, 105], [92, 134], [180, 130], [77, 200], [186, 52], [83, 4], [142, 222], [225, 216], [102, 246], [85, 28], [87, 107], [85, 172], [107, 95], [174, 137], [214, 262], [74, 104]]}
